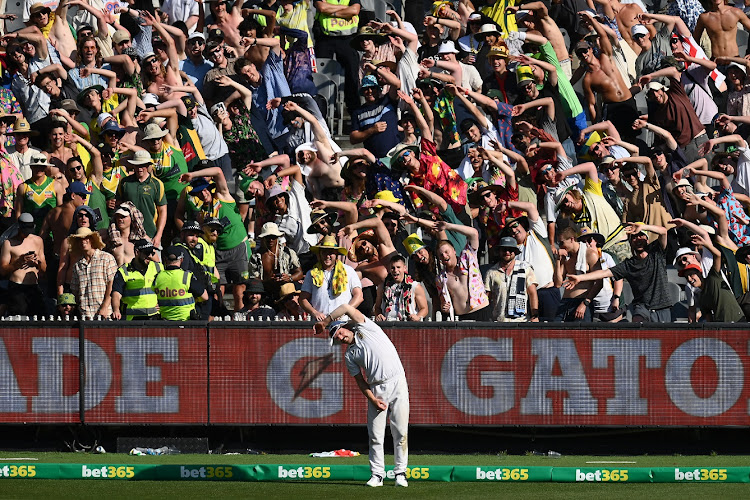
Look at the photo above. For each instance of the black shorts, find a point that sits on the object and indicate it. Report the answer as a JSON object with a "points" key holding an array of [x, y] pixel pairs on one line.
{"points": [[232, 264], [482, 314]]}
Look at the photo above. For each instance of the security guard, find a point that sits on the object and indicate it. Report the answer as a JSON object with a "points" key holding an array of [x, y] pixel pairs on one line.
{"points": [[200, 260], [132, 296], [177, 289], [336, 24]]}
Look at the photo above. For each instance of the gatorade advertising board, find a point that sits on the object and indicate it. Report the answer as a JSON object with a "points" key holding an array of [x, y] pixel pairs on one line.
{"points": [[246, 374]]}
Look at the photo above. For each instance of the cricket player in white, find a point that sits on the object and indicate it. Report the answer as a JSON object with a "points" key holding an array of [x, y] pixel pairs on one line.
{"points": [[373, 361]]}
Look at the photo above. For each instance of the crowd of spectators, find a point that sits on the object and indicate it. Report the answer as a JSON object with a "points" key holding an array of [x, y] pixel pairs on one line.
{"points": [[499, 162]]}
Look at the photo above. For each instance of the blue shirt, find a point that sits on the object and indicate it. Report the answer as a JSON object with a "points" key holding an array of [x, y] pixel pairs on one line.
{"points": [[196, 73], [383, 110], [272, 84]]}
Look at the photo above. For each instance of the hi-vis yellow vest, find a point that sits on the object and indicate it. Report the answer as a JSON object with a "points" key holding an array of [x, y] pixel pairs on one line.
{"points": [[336, 26], [172, 287], [138, 299]]}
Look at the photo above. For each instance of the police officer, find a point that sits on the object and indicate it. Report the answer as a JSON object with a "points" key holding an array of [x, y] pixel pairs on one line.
{"points": [[132, 296], [177, 289], [199, 260]]}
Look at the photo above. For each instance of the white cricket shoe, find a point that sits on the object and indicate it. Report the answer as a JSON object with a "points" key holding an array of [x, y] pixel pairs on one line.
{"points": [[401, 481], [374, 482]]}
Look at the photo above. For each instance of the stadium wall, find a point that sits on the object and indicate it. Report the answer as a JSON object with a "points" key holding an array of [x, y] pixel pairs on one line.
{"points": [[459, 374]]}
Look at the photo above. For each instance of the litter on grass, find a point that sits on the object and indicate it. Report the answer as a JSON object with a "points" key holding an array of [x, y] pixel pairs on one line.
{"points": [[335, 453]]}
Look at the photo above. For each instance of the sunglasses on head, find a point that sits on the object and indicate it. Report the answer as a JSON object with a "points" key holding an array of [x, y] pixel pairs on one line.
{"points": [[403, 157]]}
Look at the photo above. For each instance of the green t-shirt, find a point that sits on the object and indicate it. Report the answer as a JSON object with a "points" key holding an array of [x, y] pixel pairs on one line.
{"points": [[570, 102], [234, 230], [146, 196], [169, 165], [718, 300], [97, 200]]}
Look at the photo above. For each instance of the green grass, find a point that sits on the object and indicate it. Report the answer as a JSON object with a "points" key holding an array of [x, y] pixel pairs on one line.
{"points": [[84, 489]]}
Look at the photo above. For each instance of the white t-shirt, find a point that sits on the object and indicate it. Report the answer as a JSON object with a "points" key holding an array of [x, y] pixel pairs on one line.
{"points": [[408, 71], [372, 353], [470, 77], [211, 139], [741, 181], [322, 299], [179, 10], [535, 253]]}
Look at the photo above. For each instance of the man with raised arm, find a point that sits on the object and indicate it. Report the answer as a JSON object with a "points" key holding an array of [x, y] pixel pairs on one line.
{"points": [[720, 22], [646, 271], [460, 281]]}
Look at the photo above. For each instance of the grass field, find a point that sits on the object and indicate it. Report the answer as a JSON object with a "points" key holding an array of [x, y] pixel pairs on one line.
{"points": [[312, 490]]}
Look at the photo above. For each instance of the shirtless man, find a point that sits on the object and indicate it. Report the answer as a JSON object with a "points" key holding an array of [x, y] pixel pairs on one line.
{"points": [[124, 252], [720, 23], [460, 283], [228, 21], [60, 218], [322, 165], [22, 261], [602, 76], [626, 15], [59, 34], [538, 19], [575, 258], [372, 249]]}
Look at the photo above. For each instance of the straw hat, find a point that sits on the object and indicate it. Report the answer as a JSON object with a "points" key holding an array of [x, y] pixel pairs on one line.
{"points": [[328, 243], [22, 127], [84, 233], [286, 291], [367, 235], [318, 215]]}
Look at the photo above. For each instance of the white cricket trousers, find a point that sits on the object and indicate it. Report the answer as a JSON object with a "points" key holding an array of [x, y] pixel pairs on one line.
{"points": [[395, 393]]}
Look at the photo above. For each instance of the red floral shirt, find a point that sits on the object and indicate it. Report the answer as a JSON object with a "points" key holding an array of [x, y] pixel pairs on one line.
{"points": [[436, 176]]}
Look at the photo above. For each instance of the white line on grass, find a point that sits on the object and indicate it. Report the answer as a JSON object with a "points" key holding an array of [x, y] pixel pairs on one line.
{"points": [[610, 462]]}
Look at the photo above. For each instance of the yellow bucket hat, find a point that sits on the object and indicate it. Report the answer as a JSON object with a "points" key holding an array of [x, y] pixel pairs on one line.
{"points": [[413, 244]]}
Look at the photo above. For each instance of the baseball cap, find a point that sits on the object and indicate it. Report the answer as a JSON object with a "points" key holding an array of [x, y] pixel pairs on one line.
{"points": [[192, 225], [77, 187], [26, 220], [70, 106], [143, 245], [689, 268], [335, 327], [173, 252], [638, 29], [112, 127], [189, 101], [196, 34], [212, 221], [120, 36], [122, 211], [150, 99]]}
